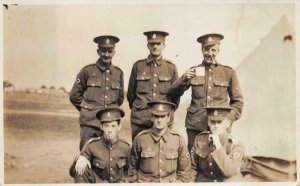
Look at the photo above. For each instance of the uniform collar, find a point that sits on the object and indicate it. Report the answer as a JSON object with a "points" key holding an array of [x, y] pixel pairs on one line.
{"points": [[156, 138], [208, 65], [224, 139], [109, 145], [102, 66], [158, 61]]}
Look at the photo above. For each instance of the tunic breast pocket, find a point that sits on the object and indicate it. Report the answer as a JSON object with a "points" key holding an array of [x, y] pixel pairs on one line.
{"points": [[93, 89], [148, 163], [171, 161], [198, 87], [99, 167], [143, 83], [164, 83], [115, 88], [220, 89]]}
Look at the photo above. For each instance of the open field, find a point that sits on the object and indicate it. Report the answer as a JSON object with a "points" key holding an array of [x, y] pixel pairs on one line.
{"points": [[41, 139]]}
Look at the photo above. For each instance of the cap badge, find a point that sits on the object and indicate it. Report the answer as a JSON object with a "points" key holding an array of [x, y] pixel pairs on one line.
{"points": [[161, 107], [154, 36], [216, 113], [209, 39], [107, 41], [108, 114]]}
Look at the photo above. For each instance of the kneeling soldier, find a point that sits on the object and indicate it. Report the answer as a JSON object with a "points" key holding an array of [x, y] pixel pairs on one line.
{"points": [[107, 157], [216, 156], [159, 154]]}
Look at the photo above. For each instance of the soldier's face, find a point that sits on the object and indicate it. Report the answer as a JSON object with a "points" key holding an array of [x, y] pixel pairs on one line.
{"points": [[106, 54], [218, 127], [110, 130], [210, 52], [156, 48], [160, 122]]}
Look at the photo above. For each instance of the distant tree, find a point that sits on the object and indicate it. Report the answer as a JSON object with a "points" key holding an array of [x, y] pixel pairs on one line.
{"points": [[62, 89], [43, 87], [52, 88], [6, 83]]}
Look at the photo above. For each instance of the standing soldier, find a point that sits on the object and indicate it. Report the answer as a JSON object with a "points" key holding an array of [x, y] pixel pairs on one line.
{"points": [[159, 154], [212, 85], [150, 79], [97, 86], [216, 155], [104, 159]]}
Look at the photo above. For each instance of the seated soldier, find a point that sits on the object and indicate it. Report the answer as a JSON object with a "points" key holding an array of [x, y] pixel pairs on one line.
{"points": [[159, 154], [216, 155], [104, 159]]}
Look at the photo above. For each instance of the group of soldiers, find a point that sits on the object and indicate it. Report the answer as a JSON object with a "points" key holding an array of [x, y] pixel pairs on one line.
{"points": [[157, 153]]}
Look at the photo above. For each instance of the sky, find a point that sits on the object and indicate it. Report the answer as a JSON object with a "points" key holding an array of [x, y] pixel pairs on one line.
{"points": [[47, 44]]}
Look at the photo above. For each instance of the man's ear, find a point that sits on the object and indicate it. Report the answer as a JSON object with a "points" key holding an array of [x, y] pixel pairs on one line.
{"points": [[120, 126], [101, 127]]}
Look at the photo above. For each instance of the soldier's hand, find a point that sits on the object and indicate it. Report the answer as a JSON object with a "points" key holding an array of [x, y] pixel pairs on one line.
{"points": [[81, 164], [189, 74], [216, 140]]}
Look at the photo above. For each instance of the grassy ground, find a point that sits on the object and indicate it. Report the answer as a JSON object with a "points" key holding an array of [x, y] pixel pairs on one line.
{"points": [[39, 148]]}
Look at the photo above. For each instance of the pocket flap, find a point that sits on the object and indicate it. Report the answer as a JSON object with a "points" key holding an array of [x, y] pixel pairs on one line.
{"points": [[143, 77], [121, 163], [192, 109], [115, 85], [98, 163], [94, 82], [221, 83], [171, 155], [86, 105], [148, 154], [164, 78], [198, 80]]}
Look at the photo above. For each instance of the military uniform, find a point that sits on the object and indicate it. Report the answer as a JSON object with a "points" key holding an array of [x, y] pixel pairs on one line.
{"points": [[109, 161], [97, 86], [210, 165], [159, 159], [217, 86], [149, 80]]}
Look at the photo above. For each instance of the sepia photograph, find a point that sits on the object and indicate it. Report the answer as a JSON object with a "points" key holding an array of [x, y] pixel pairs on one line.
{"points": [[149, 92]]}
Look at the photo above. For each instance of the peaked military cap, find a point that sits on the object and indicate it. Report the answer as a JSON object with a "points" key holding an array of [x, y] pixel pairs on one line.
{"points": [[210, 39], [161, 108], [107, 41], [110, 114], [156, 36], [218, 113]]}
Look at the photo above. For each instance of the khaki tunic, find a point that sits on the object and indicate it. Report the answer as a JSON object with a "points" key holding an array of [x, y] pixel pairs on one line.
{"points": [[159, 159], [218, 87], [149, 80], [109, 161], [211, 165], [96, 87]]}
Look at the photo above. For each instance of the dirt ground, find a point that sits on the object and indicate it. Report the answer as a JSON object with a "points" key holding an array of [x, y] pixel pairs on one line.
{"points": [[41, 139]]}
